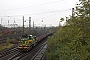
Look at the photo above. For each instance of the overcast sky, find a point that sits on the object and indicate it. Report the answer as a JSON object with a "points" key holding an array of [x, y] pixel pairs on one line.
{"points": [[50, 11]]}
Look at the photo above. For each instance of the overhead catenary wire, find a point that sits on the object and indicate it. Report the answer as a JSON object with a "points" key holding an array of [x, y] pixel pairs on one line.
{"points": [[52, 14], [55, 13], [46, 12], [33, 5], [4, 15], [33, 13]]}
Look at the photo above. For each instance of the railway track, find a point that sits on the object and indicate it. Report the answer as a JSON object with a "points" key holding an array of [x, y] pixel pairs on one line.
{"points": [[8, 52], [39, 55], [23, 55], [16, 56], [29, 55], [2, 40]]}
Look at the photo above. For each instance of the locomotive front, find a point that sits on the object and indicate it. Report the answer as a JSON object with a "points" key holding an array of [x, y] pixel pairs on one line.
{"points": [[25, 43]]}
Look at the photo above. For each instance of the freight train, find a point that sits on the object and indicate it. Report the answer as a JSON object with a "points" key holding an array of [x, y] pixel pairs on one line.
{"points": [[29, 41]]}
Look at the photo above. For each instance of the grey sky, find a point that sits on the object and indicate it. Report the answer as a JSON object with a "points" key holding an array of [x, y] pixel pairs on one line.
{"points": [[50, 11]]}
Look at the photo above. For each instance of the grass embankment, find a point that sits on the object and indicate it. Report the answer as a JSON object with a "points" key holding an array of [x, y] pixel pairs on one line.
{"points": [[5, 45]]}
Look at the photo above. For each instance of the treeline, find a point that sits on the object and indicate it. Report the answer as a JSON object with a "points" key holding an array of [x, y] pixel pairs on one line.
{"points": [[72, 41]]}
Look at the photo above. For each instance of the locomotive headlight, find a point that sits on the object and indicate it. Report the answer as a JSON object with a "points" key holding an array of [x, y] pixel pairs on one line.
{"points": [[20, 45]]}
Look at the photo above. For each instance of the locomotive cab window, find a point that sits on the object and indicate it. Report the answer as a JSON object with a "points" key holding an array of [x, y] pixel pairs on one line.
{"points": [[30, 36]]}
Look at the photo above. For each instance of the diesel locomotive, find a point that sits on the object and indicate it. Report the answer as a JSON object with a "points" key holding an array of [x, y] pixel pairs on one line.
{"points": [[27, 42]]}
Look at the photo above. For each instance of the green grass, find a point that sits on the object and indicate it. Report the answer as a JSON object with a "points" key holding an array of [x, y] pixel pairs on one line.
{"points": [[5, 45]]}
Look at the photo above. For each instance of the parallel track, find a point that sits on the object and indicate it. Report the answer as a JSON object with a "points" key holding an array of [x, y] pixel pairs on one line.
{"points": [[39, 54], [8, 52], [24, 55], [28, 55], [2, 40]]}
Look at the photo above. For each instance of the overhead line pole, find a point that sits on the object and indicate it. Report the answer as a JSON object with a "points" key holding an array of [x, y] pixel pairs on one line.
{"points": [[72, 13], [1, 21], [33, 25], [23, 24], [29, 23]]}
